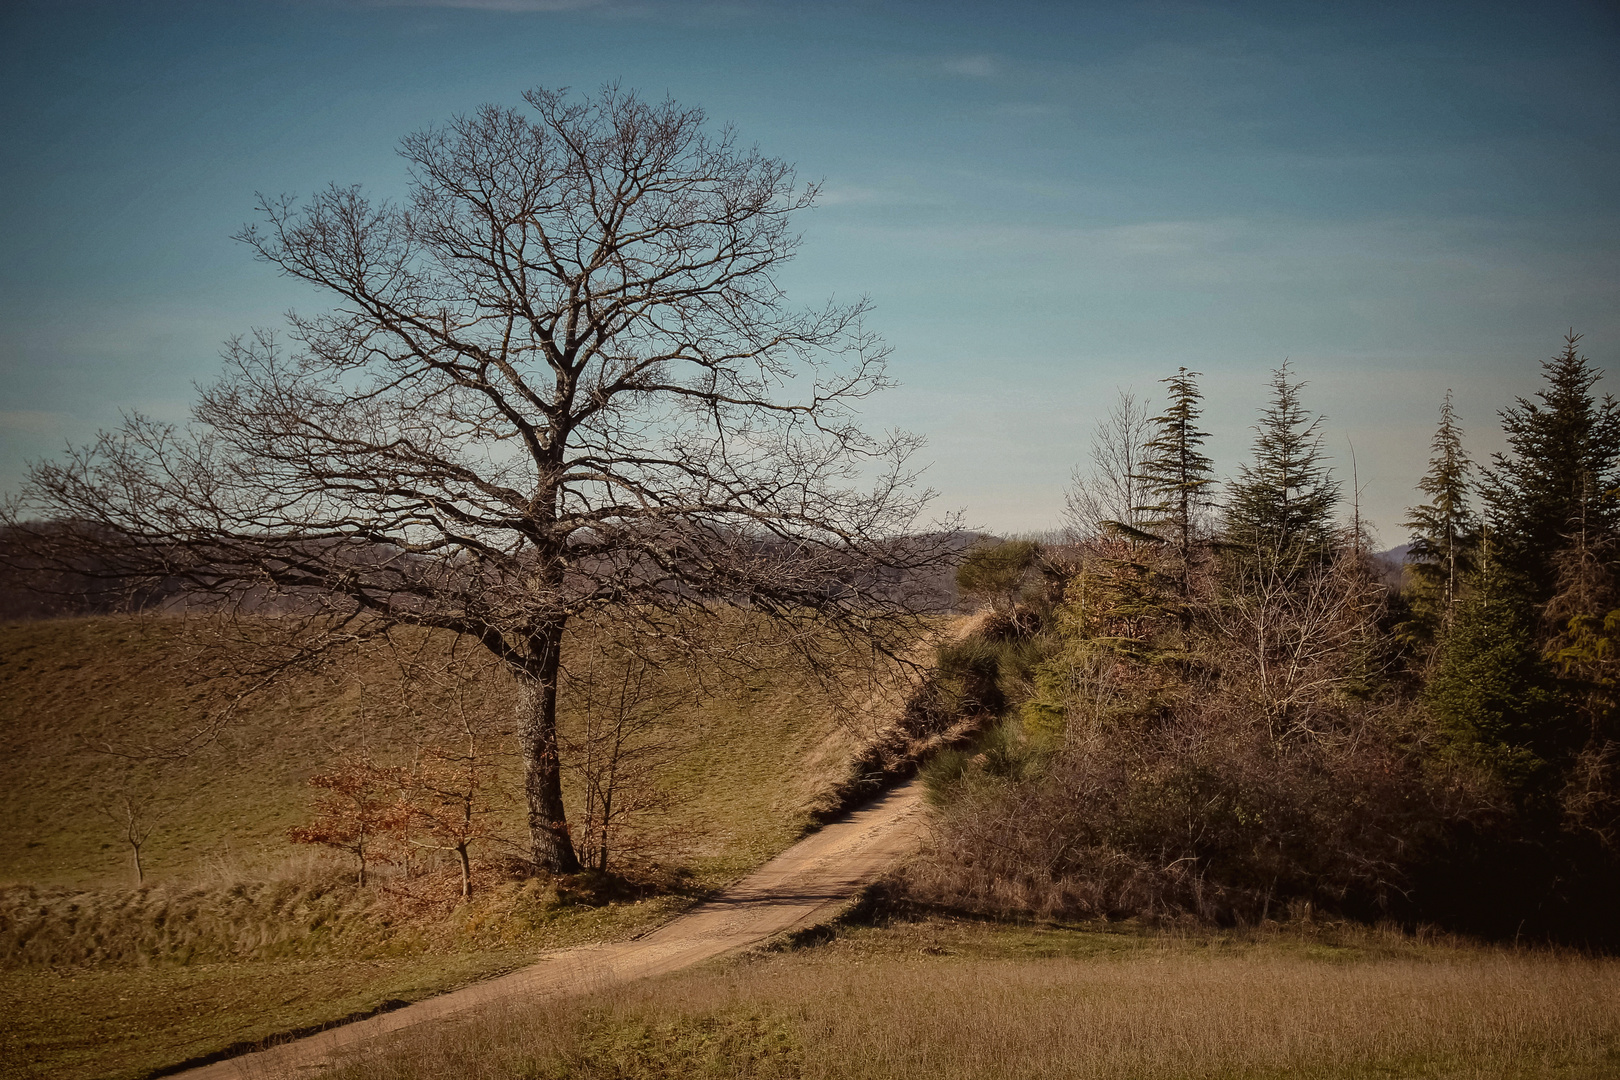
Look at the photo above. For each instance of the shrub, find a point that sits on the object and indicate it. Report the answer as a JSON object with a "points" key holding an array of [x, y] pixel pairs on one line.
{"points": [[1222, 766], [1205, 814], [998, 573]]}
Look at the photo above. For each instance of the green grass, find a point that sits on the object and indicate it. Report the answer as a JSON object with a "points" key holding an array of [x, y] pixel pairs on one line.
{"points": [[238, 933], [942, 999], [122, 1023]]}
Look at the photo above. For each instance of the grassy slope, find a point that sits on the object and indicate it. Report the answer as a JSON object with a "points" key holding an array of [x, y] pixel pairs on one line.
{"points": [[68, 687], [757, 754], [948, 999]]}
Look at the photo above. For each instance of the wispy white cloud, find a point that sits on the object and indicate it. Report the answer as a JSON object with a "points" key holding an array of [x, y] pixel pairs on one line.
{"points": [[975, 66], [495, 5], [31, 422]]}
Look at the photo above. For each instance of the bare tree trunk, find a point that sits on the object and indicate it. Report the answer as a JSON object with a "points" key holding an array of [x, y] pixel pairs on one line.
{"points": [[607, 816], [542, 782]]}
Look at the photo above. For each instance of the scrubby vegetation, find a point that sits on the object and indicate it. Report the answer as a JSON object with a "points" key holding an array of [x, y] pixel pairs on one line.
{"points": [[1221, 708]]}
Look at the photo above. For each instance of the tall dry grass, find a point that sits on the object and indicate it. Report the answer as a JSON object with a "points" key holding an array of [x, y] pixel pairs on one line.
{"points": [[1170, 1010]]}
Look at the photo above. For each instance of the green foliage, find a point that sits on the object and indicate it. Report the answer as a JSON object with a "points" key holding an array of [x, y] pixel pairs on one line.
{"points": [[1494, 696], [997, 573], [1122, 616], [1445, 532], [1559, 482], [980, 675], [1194, 741], [1002, 754], [1045, 713], [969, 676], [1176, 475], [1006, 754], [1280, 510], [1592, 650], [942, 771]]}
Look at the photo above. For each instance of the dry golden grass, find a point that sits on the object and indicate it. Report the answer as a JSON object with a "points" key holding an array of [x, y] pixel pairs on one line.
{"points": [[759, 751], [100, 979], [942, 1000]]}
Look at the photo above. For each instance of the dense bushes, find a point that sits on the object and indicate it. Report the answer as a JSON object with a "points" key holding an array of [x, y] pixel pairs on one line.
{"points": [[1236, 717], [1229, 770]]}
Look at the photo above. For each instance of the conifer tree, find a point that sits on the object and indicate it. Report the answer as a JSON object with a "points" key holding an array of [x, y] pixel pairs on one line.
{"points": [[1556, 488], [1176, 475], [1445, 532], [1494, 697], [1281, 507]]}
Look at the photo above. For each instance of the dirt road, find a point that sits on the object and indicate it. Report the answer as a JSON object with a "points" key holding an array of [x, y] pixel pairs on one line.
{"points": [[805, 884]]}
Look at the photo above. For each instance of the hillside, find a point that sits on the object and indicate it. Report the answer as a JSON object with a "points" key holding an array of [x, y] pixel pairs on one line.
{"points": [[238, 932], [72, 690]]}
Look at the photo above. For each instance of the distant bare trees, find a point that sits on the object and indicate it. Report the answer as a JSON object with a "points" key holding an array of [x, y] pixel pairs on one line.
{"points": [[135, 815], [1111, 490], [560, 379]]}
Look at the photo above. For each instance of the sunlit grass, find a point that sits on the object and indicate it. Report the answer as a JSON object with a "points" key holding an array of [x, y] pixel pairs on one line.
{"points": [[756, 751], [946, 1000], [99, 979]]}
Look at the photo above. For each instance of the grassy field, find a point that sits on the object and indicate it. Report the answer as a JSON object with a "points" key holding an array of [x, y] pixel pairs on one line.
{"points": [[237, 932], [756, 753], [943, 999]]}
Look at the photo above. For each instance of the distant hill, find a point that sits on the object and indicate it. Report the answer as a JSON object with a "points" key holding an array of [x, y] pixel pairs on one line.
{"points": [[1392, 564]]}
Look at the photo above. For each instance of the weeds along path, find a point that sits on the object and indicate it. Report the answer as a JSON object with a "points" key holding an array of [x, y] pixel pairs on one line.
{"points": [[806, 884]]}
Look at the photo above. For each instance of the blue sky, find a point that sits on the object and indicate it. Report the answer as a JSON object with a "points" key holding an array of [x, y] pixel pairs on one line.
{"points": [[1045, 202]]}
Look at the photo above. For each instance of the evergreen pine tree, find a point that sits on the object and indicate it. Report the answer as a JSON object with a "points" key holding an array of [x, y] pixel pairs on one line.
{"points": [[1445, 533], [1495, 697], [1281, 507], [1176, 475], [1556, 487]]}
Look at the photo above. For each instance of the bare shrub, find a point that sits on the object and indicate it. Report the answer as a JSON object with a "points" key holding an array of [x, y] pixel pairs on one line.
{"points": [[1222, 771], [1112, 489], [1295, 638], [620, 742], [1200, 815]]}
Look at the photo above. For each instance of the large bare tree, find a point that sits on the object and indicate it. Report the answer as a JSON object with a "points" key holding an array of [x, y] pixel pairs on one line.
{"points": [[560, 379]]}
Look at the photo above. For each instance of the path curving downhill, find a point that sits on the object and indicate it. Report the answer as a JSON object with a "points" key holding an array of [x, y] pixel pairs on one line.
{"points": [[806, 884]]}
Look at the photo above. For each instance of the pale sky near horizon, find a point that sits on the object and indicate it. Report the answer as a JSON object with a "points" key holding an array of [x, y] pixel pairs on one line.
{"points": [[1044, 202]]}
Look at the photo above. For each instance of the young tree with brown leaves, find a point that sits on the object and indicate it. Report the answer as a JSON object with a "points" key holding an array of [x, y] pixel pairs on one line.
{"points": [[360, 806]]}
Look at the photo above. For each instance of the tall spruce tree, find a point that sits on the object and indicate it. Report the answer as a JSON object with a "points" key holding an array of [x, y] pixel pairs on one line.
{"points": [[1445, 531], [1281, 506], [1176, 475], [1556, 487], [1494, 697]]}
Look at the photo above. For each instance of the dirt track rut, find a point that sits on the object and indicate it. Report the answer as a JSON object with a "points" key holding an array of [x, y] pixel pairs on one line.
{"points": [[805, 884]]}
